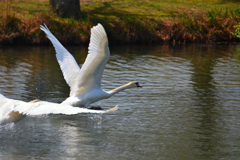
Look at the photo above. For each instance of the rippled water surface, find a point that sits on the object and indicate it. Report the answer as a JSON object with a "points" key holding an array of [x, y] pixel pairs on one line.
{"points": [[189, 107]]}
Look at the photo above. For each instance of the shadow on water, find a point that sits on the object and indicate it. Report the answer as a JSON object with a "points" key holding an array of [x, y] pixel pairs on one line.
{"points": [[204, 101]]}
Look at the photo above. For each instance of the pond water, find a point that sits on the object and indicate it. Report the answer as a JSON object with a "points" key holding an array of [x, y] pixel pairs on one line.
{"points": [[188, 108]]}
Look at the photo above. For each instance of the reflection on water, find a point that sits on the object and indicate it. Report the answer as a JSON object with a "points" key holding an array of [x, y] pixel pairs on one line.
{"points": [[187, 109]]}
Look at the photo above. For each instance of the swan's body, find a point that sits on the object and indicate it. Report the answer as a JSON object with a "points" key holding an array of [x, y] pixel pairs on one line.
{"points": [[14, 110], [85, 83]]}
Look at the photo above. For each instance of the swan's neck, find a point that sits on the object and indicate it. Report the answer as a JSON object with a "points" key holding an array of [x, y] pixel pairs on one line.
{"points": [[119, 89]]}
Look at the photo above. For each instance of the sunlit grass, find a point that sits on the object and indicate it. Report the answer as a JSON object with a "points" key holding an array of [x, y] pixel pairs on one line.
{"points": [[131, 21], [159, 10], [111, 9], [26, 9]]}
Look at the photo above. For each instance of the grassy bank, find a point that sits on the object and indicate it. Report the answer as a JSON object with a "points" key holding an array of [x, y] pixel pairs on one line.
{"points": [[126, 21]]}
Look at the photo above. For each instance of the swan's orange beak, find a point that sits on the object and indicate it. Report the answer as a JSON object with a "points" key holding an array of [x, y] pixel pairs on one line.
{"points": [[138, 85]]}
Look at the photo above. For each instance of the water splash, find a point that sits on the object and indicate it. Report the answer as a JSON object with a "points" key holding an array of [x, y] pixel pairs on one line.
{"points": [[8, 126], [96, 120]]}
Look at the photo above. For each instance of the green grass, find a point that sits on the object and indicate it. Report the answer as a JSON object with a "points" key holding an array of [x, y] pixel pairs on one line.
{"points": [[131, 21], [27, 9], [158, 10]]}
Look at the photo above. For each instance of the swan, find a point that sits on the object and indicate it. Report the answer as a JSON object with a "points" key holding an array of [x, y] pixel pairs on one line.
{"points": [[12, 110], [85, 83]]}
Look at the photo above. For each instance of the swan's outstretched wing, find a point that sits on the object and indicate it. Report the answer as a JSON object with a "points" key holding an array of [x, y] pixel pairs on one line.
{"points": [[98, 55], [66, 61], [44, 108], [91, 73], [14, 110]]}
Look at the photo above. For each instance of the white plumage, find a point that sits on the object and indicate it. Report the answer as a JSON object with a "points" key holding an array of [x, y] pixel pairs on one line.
{"points": [[85, 83], [14, 110]]}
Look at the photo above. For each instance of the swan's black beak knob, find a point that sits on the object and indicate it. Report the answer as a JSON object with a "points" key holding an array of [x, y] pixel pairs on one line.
{"points": [[138, 85]]}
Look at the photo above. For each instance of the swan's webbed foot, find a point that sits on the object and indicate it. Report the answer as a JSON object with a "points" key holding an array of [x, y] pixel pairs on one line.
{"points": [[95, 108]]}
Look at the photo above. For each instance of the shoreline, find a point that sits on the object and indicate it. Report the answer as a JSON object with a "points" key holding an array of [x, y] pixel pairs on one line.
{"points": [[190, 27], [28, 32]]}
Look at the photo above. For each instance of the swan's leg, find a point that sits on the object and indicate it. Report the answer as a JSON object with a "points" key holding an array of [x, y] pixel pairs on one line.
{"points": [[112, 109]]}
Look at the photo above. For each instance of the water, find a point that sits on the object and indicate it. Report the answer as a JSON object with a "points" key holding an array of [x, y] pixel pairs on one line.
{"points": [[189, 107]]}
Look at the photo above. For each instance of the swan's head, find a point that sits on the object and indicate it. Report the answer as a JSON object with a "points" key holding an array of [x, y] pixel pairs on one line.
{"points": [[134, 84]]}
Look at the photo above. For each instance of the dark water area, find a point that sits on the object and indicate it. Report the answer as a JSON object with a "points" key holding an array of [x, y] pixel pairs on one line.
{"points": [[188, 108]]}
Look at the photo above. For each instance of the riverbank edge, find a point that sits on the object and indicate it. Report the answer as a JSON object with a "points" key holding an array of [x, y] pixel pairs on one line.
{"points": [[195, 29]]}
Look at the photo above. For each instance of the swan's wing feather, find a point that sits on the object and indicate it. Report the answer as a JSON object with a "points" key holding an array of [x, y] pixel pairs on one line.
{"points": [[14, 110], [68, 65], [44, 108], [98, 55]]}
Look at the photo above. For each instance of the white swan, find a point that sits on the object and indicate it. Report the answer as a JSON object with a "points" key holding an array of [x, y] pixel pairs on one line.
{"points": [[85, 83], [14, 110]]}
